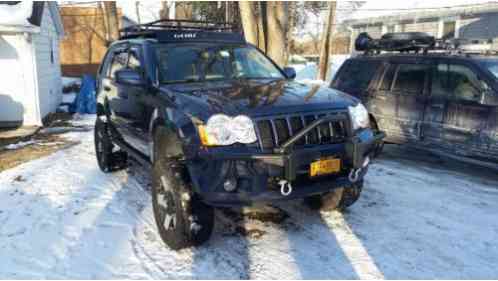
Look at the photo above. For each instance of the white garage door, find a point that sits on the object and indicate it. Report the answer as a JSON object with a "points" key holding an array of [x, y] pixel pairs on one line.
{"points": [[12, 84]]}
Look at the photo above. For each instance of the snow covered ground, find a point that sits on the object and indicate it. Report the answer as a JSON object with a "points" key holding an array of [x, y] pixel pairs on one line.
{"points": [[419, 217]]}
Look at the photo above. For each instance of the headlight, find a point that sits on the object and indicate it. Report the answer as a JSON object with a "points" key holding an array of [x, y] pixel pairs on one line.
{"points": [[223, 130], [359, 116]]}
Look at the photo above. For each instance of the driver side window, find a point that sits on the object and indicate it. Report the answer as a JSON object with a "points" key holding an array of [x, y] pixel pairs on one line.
{"points": [[456, 81], [119, 61]]}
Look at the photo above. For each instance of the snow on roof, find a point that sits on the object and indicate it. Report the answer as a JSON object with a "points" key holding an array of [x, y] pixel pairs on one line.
{"points": [[16, 14], [383, 8]]}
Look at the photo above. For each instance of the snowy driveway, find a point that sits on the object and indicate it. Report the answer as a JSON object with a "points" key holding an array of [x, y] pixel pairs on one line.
{"points": [[60, 217]]}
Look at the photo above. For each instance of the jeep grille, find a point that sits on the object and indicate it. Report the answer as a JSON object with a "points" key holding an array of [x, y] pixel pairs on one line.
{"points": [[273, 132]]}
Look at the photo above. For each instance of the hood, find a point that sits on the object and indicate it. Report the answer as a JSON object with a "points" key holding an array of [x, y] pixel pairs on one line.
{"points": [[259, 97]]}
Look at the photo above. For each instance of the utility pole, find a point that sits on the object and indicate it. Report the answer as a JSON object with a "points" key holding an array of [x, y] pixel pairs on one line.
{"points": [[324, 62], [137, 10]]}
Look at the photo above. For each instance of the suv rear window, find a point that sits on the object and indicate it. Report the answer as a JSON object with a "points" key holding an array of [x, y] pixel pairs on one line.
{"points": [[356, 75]]}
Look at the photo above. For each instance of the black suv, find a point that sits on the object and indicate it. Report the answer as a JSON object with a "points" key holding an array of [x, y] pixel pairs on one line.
{"points": [[440, 100], [220, 124]]}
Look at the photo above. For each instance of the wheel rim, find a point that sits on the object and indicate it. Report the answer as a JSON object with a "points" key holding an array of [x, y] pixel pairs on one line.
{"points": [[166, 203]]}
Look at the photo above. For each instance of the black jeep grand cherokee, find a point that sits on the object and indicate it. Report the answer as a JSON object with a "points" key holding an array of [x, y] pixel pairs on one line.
{"points": [[220, 124]]}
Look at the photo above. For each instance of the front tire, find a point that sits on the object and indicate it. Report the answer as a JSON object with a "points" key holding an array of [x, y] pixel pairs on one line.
{"points": [[182, 219]]}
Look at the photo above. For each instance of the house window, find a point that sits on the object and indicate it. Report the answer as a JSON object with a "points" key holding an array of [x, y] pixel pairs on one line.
{"points": [[449, 29]]}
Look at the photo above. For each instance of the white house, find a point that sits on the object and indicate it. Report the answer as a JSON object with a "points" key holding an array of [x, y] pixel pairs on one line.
{"points": [[30, 76]]}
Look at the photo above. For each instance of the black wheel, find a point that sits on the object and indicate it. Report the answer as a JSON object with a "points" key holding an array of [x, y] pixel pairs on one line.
{"points": [[338, 199], [182, 219], [107, 159], [380, 146]]}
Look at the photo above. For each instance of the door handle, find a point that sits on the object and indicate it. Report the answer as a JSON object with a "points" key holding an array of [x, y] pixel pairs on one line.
{"points": [[437, 105]]}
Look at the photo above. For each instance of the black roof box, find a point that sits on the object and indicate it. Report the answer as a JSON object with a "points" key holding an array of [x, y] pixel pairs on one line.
{"points": [[401, 41]]}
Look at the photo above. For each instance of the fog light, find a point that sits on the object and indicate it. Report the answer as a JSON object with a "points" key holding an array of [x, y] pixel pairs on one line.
{"points": [[230, 185]]}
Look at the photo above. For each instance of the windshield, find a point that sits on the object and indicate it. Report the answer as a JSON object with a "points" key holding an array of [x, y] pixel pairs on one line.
{"points": [[492, 66], [208, 62]]}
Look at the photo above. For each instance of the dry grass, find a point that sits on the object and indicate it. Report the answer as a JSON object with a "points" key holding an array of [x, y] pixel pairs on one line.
{"points": [[43, 146]]}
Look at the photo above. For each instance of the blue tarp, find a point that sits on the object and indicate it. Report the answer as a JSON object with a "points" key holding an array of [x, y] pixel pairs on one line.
{"points": [[85, 102]]}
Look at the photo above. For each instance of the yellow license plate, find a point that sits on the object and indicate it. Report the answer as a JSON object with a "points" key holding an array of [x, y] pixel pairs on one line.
{"points": [[325, 166]]}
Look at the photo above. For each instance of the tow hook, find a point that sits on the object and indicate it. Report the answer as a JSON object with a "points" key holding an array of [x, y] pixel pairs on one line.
{"points": [[354, 175], [285, 187]]}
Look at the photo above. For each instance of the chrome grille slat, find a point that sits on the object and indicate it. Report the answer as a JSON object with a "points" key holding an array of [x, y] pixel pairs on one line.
{"points": [[275, 133], [319, 134], [287, 119], [306, 139]]}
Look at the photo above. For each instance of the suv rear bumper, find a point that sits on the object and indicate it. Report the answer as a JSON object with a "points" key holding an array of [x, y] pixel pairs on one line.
{"points": [[257, 174]]}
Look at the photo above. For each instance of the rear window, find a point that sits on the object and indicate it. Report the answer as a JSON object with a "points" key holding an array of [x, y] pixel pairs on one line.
{"points": [[356, 75]]}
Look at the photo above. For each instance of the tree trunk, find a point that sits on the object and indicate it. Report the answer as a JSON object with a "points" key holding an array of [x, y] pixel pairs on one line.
{"points": [[164, 12], [184, 11], [277, 25], [326, 44], [111, 15], [249, 21]]}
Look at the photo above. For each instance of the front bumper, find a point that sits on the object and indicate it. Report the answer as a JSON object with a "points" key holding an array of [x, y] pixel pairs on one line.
{"points": [[257, 173]]}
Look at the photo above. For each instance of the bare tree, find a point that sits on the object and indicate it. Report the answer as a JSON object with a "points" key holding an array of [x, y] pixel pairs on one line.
{"points": [[266, 25], [326, 43], [184, 10], [250, 21], [164, 12], [111, 20], [277, 27]]}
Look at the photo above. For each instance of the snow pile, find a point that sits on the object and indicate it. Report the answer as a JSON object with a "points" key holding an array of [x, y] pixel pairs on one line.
{"points": [[18, 145], [16, 14]]}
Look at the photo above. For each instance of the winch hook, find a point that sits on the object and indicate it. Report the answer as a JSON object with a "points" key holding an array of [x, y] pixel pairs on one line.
{"points": [[285, 187]]}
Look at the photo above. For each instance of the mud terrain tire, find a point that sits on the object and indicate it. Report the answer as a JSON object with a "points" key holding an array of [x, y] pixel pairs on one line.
{"points": [[182, 219], [107, 159]]}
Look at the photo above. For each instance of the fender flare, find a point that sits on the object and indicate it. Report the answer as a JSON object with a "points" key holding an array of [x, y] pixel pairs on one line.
{"points": [[157, 122]]}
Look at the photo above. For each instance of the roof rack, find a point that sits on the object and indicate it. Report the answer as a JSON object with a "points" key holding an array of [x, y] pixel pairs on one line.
{"points": [[419, 42], [184, 30]]}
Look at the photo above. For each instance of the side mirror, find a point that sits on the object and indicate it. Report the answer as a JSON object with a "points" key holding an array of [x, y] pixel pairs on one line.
{"points": [[129, 77], [290, 72]]}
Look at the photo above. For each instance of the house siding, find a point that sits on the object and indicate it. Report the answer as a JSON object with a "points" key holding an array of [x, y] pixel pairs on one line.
{"points": [[475, 26], [483, 26], [49, 82], [17, 91]]}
